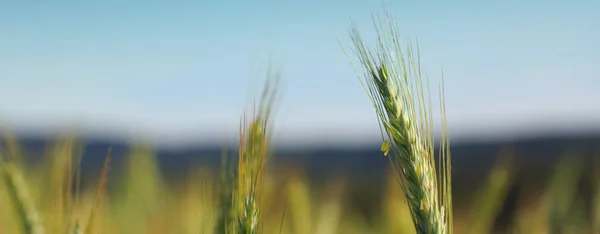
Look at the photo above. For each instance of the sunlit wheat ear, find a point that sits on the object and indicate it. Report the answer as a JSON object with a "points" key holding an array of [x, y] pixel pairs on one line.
{"points": [[395, 84]]}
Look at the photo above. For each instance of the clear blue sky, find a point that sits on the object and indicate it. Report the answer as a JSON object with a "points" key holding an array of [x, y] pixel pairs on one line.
{"points": [[178, 69]]}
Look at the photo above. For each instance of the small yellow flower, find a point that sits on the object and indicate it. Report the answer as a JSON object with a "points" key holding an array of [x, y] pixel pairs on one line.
{"points": [[385, 148]]}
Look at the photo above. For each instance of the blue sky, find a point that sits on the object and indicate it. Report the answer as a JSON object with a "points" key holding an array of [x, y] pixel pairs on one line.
{"points": [[174, 69]]}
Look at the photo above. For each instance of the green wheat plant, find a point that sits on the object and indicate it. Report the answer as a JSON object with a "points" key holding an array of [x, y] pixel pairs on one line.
{"points": [[242, 204], [142, 192], [395, 84], [16, 187], [48, 204], [489, 198], [561, 191]]}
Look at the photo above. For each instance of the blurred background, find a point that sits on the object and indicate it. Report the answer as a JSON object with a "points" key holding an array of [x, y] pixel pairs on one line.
{"points": [[521, 84]]}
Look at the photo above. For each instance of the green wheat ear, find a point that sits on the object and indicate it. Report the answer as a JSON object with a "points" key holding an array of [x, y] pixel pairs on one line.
{"points": [[241, 207], [394, 82]]}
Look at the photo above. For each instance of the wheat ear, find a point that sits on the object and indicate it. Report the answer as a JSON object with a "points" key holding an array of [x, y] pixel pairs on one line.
{"points": [[395, 85], [241, 207]]}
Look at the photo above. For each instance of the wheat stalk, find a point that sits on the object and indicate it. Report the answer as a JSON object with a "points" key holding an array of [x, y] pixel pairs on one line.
{"points": [[395, 85]]}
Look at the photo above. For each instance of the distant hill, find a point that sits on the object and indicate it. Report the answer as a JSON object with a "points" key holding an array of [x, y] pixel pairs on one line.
{"points": [[534, 154]]}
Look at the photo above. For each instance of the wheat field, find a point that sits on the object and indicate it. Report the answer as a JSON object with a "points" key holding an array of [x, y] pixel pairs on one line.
{"points": [[249, 195]]}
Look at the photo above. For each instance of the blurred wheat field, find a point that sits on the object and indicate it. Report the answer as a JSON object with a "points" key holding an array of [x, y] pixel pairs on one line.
{"points": [[138, 200]]}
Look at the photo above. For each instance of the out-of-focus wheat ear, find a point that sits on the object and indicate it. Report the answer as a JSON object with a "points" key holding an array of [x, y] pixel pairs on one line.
{"points": [[77, 228], [227, 210], [562, 189], [67, 190], [61, 185], [446, 160], [18, 191], [269, 95], [96, 210], [253, 155], [77, 198], [300, 204], [491, 195], [251, 159], [331, 209]]}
